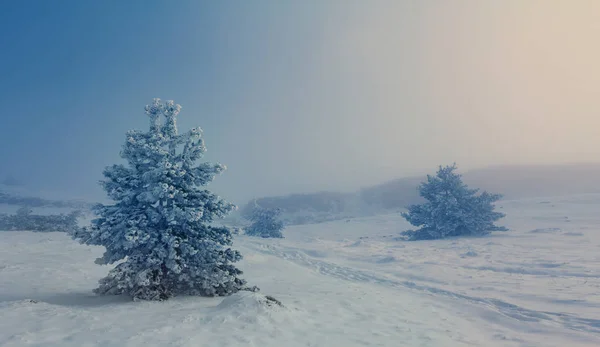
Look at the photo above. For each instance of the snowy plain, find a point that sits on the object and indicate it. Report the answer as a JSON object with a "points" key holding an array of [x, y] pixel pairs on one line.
{"points": [[343, 283]]}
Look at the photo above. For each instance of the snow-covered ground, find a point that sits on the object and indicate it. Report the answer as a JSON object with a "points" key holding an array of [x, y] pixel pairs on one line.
{"points": [[344, 283]]}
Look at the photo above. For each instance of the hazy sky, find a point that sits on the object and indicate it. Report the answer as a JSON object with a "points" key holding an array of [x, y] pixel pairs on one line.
{"points": [[298, 95]]}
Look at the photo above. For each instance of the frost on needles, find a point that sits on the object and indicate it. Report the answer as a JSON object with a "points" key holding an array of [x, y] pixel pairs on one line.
{"points": [[161, 223], [452, 209]]}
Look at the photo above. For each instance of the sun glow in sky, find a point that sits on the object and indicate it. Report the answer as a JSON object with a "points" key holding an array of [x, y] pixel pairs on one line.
{"points": [[301, 95]]}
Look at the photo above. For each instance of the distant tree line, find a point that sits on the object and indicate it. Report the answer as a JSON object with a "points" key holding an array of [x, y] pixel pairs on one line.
{"points": [[25, 220], [6, 198], [328, 202]]}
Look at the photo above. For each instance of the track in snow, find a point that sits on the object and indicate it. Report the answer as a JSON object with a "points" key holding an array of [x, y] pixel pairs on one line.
{"points": [[297, 256]]}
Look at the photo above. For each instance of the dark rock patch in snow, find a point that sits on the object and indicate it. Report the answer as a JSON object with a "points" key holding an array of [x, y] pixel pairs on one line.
{"points": [[546, 230], [248, 302], [386, 260], [315, 253], [470, 253], [549, 265], [573, 234]]}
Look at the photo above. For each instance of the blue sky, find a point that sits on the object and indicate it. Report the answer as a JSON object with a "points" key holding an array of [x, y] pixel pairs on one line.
{"points": [[298, 96], [77, 74]]}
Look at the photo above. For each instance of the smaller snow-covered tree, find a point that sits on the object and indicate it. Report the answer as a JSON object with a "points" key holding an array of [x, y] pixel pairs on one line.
{"points": [[265, 223], [452, 209]]}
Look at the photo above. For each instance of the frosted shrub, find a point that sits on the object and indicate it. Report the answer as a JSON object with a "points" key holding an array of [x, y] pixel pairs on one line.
{"points": [[265, 223]]}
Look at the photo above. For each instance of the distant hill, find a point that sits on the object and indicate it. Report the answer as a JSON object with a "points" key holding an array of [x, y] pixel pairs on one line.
{"points": [[18, 195], [393, 194], [10, 180], [537, 180], [308, 208], [514, 182]]}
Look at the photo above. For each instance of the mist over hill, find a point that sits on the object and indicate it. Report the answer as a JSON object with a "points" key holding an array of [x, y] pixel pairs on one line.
{"points": [[514, 182], [533, 181], [21, 195]]}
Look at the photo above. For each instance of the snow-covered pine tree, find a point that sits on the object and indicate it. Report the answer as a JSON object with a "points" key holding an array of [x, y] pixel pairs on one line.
{"points": [[161, 223], [265, 223], [452, 209]]}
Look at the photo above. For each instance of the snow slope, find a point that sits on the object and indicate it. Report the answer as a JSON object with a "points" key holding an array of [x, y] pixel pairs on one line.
{"points": [[344, 283]]}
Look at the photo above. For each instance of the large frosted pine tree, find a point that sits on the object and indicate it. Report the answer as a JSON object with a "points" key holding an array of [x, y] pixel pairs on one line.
{"points": [[452, 208], [161, 223]]}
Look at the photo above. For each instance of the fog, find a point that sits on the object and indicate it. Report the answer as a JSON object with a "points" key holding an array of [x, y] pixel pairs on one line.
{"points": [[300, 96]]}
